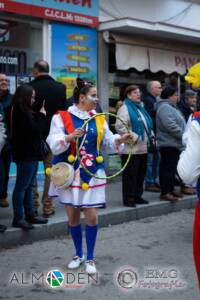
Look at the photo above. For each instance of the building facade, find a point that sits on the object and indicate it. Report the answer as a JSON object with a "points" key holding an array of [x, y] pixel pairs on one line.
{"points": [[62, 32], [146, 40]]}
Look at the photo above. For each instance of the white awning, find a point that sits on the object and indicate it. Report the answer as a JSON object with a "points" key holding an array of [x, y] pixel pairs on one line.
{"points": [[169, 61], [144, 58], [128, 56]]}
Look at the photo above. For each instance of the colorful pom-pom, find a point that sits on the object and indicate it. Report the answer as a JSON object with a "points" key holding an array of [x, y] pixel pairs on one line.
{"points": [[85, 186], [48, 171], [71, 158], [99, 159]]}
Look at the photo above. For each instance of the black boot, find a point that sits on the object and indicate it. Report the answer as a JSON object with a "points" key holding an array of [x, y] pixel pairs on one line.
{"points": [[129, 202], [36, 220], [22, 224]]}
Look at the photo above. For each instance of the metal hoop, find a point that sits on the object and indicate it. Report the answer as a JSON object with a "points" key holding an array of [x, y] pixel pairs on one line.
{"points": [[77, 148]]}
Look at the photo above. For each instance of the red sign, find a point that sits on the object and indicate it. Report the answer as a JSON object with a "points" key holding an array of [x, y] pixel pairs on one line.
{"points": [[44, 12]]}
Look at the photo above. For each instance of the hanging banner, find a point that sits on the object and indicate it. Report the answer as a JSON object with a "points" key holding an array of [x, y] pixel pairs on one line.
{"points": [[74, 54], [82, 12]]}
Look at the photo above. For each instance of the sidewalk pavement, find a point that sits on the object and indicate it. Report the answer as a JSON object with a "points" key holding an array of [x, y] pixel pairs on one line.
{"points": [[115, 213]]}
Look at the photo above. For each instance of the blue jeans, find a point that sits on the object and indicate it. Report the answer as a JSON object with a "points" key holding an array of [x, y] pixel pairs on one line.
{"points": [[153, 160], [22, 194], [5, 160]]}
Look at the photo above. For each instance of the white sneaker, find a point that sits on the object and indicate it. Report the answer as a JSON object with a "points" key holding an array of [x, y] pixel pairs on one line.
{"points": [[76, 262], [90, 267]]}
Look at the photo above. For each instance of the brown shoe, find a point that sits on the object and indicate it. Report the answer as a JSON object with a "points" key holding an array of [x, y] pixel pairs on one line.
{"points": [[188, 190], [48, 214], [176, 194], [152, 188], [4, 202], [168, 197], [48, 208]]}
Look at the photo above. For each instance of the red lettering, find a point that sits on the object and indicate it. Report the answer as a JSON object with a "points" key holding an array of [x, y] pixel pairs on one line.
{"points": [[76, 2], [191, 61], [177, 61], [87, 2], [184, 62], [83, 3]]}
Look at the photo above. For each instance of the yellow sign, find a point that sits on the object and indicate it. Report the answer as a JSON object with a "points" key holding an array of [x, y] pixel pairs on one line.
{"points": [[78, 48], [78, 58], [75, 69], [77, 37]]}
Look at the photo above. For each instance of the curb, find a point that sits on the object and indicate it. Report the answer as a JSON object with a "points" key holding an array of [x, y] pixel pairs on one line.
{"points": [[113, 216]]}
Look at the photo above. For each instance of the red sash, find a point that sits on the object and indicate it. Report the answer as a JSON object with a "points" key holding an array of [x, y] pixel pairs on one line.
{"points": [[69, 126]]}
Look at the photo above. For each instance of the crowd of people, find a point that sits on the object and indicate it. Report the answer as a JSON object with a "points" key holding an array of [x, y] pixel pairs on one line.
{"points": [[37, 123]]}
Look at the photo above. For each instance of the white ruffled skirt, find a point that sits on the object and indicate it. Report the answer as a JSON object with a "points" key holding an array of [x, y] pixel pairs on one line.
{"points": [[77, 197]]}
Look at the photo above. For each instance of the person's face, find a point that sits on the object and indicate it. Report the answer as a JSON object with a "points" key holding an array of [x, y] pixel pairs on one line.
{"points": [[135, 95], [156, 89], [174, 98], [90, 100], [35, 72], [3, 83], [191, 101]]}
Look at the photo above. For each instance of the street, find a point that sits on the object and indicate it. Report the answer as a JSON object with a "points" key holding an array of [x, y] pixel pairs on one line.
{"points": [[146, 259]]}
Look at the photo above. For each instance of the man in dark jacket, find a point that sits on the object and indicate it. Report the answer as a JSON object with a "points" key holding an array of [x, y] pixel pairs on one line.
{"points": [[52, 95], [154, 90], [5, 155]]}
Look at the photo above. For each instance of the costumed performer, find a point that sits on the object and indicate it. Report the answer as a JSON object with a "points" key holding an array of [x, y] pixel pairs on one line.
{"points": [[85, 192]]}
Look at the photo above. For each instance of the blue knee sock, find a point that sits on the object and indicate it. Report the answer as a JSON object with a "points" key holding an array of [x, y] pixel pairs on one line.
{"points": [[76, 233], [90, 235]]}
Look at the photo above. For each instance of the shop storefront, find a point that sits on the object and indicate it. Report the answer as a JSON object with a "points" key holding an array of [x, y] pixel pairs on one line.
{"points": [[137, 59], [62, 32]]}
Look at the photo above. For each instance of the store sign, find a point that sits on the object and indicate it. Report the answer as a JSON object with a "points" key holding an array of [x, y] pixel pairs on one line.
{"points": [[13, 61], [185, 61], [143, 58], [76, 55], [82, 12]]}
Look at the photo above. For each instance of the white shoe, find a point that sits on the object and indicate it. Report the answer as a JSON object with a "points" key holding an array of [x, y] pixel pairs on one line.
{"points": [[76, 262], [90, 267]]}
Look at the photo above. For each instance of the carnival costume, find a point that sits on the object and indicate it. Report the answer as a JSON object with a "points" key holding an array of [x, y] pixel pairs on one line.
{"points": [[85, 191], [189, 171]]}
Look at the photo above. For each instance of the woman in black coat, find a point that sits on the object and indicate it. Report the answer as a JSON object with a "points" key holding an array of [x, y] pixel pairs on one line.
{"points": [[26, 139]]}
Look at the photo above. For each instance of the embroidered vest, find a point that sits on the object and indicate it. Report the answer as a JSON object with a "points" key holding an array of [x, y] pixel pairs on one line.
{"points": [[90, 142]]}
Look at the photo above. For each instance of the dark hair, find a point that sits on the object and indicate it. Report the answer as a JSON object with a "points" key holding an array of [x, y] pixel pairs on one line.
{"points": [[41, 66], [82, 87], [22, 98], [168, 92], [129, 89]]}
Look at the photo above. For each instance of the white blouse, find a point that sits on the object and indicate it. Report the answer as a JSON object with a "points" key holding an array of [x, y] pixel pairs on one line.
{"points": [[189, 162], [56, 137]]}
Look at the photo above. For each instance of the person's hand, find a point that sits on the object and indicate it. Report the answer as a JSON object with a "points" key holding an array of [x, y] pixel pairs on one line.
{"points": [[125, 138], [77, 133]]}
